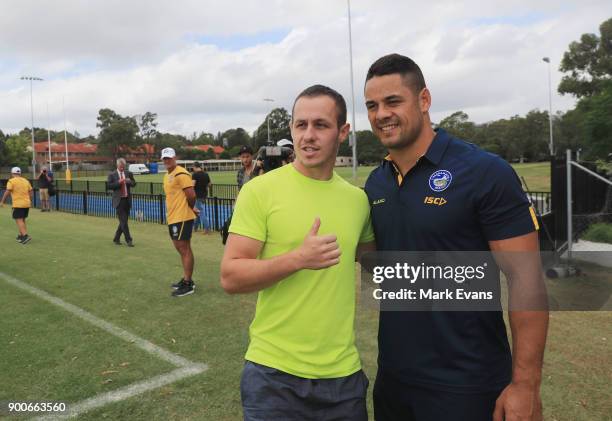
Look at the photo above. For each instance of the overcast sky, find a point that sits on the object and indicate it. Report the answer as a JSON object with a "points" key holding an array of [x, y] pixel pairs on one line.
{"points": [[207, 65]]}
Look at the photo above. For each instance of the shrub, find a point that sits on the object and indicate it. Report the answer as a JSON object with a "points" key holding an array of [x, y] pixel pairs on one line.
{"points": [[600, 233]]}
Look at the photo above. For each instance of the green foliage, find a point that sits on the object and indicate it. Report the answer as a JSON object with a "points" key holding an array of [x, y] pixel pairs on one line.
{"points": [[517, 139], [191, 153], [117, 132], [604, 167], [205, 139], [369, 148], [280, 128], [16, 151], [234, 151], [596, 123], [2, 147], [599, 233], [147, 125], [58, 137], [209, 154], [458, 124], [236, 137], [589, 63]]}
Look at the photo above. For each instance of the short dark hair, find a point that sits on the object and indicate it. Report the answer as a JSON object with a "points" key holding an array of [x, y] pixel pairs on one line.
{"points": [[398, 64], [322, 90]]}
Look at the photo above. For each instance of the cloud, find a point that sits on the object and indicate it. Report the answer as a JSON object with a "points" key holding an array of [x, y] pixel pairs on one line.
{"points": [[206, 66]]}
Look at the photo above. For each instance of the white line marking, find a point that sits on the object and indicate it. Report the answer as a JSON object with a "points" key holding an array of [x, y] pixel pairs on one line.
{"points": [[186, 368], [127, 392], [149, 347]]}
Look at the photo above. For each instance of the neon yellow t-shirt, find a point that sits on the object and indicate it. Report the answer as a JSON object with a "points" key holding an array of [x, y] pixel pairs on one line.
{"points": [[20, 192], [304, 324], [177, 208]]}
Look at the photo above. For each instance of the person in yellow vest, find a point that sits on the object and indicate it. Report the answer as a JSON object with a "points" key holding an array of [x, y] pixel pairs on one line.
{"points": [[294, 238], [180, 214], [20, 190]]}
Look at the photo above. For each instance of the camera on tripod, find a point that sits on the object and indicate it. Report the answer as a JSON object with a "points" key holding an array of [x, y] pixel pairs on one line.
{"points": [[271, 157]]}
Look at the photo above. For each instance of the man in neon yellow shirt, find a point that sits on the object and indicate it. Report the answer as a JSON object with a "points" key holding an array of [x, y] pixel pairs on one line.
{"points": [[20, 190], [294, 238]]}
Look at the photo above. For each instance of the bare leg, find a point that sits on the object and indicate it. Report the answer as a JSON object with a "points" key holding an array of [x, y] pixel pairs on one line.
{"points": [[21, 225], [184, 249]]}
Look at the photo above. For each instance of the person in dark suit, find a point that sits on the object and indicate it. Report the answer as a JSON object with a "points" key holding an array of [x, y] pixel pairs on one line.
{"points": [[121, 182]]}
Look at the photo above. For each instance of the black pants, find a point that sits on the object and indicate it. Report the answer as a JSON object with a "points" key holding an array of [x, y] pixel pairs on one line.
{"points": [[123, 213], [394, 401]]}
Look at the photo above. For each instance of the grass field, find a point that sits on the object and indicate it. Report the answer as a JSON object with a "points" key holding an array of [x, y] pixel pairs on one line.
{"points": [[47, 353], [537, 175]]}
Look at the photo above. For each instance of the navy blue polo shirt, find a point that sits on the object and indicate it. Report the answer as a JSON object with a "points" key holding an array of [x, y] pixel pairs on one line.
{"points": [[457, 197]]}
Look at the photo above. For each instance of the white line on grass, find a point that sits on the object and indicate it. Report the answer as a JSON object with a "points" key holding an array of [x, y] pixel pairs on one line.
{"points": [[186, 368], [127, 392], [102, 324]]}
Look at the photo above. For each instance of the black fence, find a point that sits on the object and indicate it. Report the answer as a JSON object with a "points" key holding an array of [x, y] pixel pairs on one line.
{"points": [[145, 207], [541, 201], [591, 203], [222, 191]]}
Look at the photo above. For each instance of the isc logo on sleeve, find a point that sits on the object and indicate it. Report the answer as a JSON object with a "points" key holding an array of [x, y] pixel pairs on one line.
{"points": [[438, 201]]}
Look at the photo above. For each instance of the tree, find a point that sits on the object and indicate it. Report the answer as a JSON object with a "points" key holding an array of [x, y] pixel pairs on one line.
{"points": [[148, 132], [235, 137], [147, 126], [494, 137], [369, 148], [234, 151], [168, 140], [458, 124], [210, 154], [535, 135], [596, 113], [280, 128], [205, 139], [589, 62], [117, 133], [2, 147], [16, 151], [191, 153], [58, 137], [39, 133], [569, 131], [345, 149]]}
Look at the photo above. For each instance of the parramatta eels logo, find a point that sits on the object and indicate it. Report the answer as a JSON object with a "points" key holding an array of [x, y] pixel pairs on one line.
{"points": [[175, 230], [440, 180]]}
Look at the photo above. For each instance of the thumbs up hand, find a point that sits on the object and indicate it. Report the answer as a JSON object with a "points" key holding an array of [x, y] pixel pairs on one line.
{"points": [[318, 251]]}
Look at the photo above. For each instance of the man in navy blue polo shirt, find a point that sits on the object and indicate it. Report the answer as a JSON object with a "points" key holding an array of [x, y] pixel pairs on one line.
{"points": [[435, 192]]}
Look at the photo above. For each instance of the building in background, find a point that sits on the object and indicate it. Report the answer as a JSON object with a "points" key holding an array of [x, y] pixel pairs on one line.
{"points": [[87, 153], [344, 161]]}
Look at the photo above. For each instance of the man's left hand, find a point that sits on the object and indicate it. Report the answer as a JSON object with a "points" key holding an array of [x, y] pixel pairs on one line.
{"points": [[519, 402], [196, 211]]}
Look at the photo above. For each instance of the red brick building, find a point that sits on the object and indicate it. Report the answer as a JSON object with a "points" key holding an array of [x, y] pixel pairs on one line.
{"points": [[88, 153], [217, 150]]}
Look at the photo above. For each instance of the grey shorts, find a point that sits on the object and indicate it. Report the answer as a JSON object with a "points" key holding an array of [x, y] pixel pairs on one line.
{"points": [[270, 394]]}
